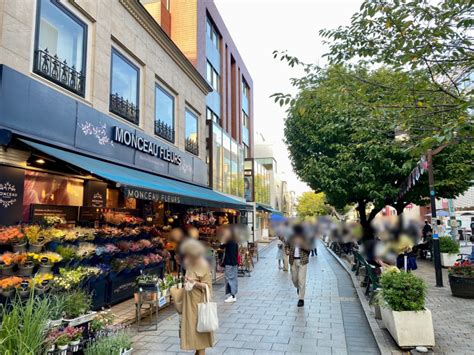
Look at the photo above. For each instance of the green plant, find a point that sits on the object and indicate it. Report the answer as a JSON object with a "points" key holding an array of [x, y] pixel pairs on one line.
{"points": [[57, 302], [76, 303], [23, 326], [109, 345], [466, 270], [68, 253], [447, 245], [62, 340], [403, 291]]}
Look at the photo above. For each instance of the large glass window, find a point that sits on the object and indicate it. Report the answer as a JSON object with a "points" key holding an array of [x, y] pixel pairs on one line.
{"points": [[217, 157], [211, 116], [60, 46], [226, 174], [212, 33], [164, 114], [212, 77], [124, 87], [191, 131]]}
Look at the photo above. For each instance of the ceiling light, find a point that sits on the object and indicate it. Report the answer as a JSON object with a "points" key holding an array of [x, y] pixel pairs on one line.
{"points": [[40, 161]]}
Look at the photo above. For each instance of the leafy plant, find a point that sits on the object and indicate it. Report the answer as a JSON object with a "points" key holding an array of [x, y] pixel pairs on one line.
{"points": [[57, 302], [76, 303], [68, 253], [447, 245], [109, 345], [465, 270], [403, 291], [23, 326]]}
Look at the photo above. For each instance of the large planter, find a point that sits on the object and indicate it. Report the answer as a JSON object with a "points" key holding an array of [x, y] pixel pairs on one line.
{"points": [[26, 269], [7, 270], [19, 247], [462, 286], [448, 259], [81, 319], [35, 247], [409, 328]]}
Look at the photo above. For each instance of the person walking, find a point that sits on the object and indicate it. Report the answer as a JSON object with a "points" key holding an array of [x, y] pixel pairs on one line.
{"points": [[230, 263], [298, 252], [197, 279], [280, 256]]}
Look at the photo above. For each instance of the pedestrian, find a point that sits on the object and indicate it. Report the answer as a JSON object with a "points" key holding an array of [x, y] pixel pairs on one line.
{"points": [[298, 252], [280, 256], [230, 262], [286, 233], [197, 278], [426, 231]]}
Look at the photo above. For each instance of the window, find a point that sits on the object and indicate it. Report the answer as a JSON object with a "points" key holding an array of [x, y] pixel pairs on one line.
{"points": [[164, 114], [191, 131], [211, 116], [245, 89], [246, 151], [124, 88], [212, 33], [245, 128], [212, 77], [60, 46]]}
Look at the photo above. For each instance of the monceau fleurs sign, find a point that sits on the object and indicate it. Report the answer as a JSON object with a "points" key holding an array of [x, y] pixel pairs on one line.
{"points": [[144, 145]]}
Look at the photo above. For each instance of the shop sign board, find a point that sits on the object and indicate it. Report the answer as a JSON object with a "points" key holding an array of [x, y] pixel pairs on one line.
{"points": [[142, 144], [68, 213], [95, 193], [11, 194], [156, 196]]}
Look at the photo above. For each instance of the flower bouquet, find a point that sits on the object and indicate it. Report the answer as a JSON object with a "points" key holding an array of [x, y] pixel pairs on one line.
{"points": [[9, 284], [25, 264], [86, 250], [7, 262], [36, 239], [13, 236]]}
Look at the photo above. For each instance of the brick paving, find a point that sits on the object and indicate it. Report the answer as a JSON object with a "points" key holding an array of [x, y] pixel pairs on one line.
{"points": [[265, 319], [453, 317]]}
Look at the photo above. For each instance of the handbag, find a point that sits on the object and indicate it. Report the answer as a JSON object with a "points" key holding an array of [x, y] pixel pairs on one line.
{"points": [[177, 296], [207, 315]]}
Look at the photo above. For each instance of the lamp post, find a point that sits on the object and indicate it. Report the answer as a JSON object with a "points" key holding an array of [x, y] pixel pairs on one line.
{"points": [[436, 251]]}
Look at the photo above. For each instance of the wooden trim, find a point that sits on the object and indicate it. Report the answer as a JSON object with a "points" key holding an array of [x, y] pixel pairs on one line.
{"points": [[159, 35]]}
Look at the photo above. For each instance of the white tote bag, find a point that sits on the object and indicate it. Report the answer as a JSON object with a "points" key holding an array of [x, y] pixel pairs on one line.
{"points": [[207, 315]]}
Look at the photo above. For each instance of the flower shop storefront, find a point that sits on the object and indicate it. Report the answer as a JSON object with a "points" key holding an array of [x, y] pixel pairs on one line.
{"points": [[74, 221]]}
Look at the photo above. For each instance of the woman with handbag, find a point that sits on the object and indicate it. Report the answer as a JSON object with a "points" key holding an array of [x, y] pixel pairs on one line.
{"points": [[197, 288]]}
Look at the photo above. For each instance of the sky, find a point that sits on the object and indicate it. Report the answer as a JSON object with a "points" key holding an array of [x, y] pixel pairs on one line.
{"points": [[258, 27]]}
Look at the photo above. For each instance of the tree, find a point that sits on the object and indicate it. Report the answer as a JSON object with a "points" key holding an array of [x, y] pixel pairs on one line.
{"points": [[312, 204], [433, 36], [342, 140]]}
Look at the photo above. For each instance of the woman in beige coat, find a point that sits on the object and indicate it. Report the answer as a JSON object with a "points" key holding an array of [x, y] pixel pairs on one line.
{"points": [[198, 275]]}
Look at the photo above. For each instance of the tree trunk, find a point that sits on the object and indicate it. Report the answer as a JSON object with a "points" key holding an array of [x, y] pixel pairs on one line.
{"points": [[365, 221]]}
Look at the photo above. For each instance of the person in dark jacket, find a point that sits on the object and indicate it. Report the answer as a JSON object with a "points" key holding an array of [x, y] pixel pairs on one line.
{"points": [[230, 262]]}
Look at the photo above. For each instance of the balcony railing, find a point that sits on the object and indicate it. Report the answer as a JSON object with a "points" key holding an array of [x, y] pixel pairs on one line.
{"points": [[164, 130], [191, 146], [123, 108], [52, 68]]}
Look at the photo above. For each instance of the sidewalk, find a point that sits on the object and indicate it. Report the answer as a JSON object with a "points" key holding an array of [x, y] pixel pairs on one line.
{"points": [[265, 319], [453, 317]]}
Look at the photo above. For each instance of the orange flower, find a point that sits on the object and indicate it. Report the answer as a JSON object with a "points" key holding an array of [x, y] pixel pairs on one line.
{"points": [[10, 282]]}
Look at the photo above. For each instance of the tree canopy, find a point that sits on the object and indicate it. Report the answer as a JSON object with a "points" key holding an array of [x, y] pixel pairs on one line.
{"points": [[433, 36], [343, 141], [311, 204]]}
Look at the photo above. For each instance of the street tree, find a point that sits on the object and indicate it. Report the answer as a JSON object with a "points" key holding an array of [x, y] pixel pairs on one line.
{"points": [[433, 36], [311, 204], [342, 135]]}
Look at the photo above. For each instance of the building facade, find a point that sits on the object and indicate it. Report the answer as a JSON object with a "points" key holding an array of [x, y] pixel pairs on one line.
{"points": [[197, 28], [98, 89]]}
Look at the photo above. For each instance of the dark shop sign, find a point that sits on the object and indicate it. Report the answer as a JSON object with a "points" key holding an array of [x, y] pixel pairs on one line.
{"points": [[156, 196], [144, 145]]}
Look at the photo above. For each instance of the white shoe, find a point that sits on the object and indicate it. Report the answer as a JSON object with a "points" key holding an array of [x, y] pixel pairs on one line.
{"points": [[230, 299]]}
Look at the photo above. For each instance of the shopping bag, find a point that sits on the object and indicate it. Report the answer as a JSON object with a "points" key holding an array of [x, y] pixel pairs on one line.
{"points": [[177, 296], [207, 315]]}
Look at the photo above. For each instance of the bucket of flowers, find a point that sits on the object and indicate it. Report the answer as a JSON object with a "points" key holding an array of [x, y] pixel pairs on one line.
{"points": [[12, 235], [42, 282], [74, 335], [7, 262], [25, 264], [9, 284], [36, 239], [46, 261], [62, 344]]}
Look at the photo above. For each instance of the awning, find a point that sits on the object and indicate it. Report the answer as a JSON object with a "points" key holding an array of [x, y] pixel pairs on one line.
{"points": [[268, 209], [141, 185]]}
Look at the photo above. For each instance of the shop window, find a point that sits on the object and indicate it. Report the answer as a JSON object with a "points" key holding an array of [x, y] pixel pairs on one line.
{"points": [[191, 130], [124, 88], [164, 114], [60, 46]]}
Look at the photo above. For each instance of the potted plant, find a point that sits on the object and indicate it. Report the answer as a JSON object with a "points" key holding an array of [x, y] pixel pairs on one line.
{"points": [[9, 284], [24, 288], [47, 260], [77, 308], [461, 279], [57, 302], [7, 262], [36, 239], [62, 343], [74, 335], [119, 344], [449, 251], [403, 309]]}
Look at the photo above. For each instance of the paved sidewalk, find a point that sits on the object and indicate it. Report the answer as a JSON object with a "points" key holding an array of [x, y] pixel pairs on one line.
{"points": [[265, 319], [453, 317]]}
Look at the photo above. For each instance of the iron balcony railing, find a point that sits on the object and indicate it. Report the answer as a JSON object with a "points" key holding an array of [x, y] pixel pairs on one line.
{"points": [[191, 146], [164, 130], [123, 108], [52, 68]]}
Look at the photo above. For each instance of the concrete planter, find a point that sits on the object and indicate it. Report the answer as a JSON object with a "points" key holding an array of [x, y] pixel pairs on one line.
{"points": [[448, 260], [409, 328]]}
